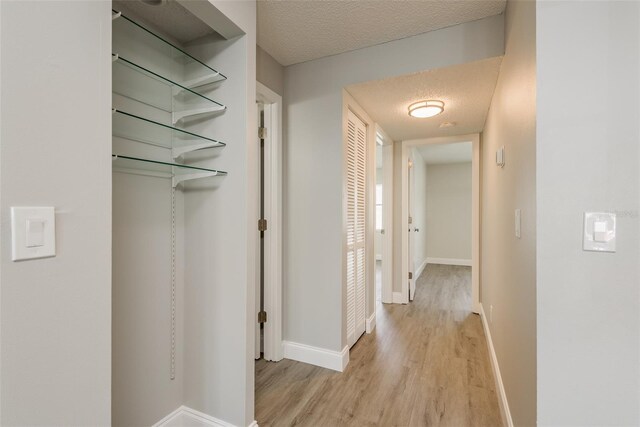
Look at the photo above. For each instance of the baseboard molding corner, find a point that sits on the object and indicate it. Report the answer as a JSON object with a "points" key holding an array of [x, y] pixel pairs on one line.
{"points": [[334, 360], [398, 298], [502, 395], [371, 323], [185, 416], [421, 268], [450, 261]]}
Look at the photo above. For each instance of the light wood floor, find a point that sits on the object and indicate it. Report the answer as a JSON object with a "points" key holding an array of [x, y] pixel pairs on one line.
{"points": [[425, 364]]}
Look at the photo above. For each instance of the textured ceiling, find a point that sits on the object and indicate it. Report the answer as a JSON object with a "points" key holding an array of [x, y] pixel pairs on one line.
{"points": [[445, 153], [170, 17], [294, 31], [466, 90]]}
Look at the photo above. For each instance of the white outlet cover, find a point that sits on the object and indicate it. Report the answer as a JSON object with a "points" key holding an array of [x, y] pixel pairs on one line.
{"points": [[599, 232], [40, 221]]}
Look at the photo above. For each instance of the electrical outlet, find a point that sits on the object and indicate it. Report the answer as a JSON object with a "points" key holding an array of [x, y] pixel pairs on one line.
{"points": [[491, 314]]}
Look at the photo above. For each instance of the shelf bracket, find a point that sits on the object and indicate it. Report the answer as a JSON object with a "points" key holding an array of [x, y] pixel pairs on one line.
{"points": [[177, 179], [179, 115], [179, 151], [201, 81]]}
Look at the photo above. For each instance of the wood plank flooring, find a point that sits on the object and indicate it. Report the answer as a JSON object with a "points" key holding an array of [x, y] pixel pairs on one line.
{"points": [[425, 364]]}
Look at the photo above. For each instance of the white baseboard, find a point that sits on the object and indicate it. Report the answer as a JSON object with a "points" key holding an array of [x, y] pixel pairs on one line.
{"points": [[336, 360], [371, 323], [421, 269], [502, 395], [449, 261], [398, 298], [187, 417]]}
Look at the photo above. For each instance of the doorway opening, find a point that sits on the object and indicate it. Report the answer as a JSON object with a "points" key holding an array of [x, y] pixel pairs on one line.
{"points": [[268, 325], [441, 209]]}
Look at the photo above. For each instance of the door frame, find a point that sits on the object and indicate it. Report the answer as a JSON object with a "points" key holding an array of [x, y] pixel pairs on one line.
{"points": [[387, 216], [273, 350], [475, 211], [350, 104]]}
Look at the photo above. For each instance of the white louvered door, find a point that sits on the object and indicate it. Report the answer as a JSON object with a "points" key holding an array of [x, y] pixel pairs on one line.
{"points": [[356, 208]]}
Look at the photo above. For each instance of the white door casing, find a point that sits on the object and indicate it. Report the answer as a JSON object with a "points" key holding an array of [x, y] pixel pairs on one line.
{"points": [[475, 208], [356, 158], [272, 104], [387, 219], [411, 196]]}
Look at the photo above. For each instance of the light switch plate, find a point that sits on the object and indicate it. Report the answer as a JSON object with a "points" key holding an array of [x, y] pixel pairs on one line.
{"points": [[518, 222], [599, 232], [33, 233]]}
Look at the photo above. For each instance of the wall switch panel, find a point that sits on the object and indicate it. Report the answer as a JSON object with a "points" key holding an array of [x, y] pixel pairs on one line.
{"points": [[599, 232], [33, 233], [518, 222], [500, 157]]}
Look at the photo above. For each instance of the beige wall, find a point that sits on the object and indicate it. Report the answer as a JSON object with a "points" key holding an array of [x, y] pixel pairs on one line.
{"points": [[269, 72], [508, 281], [448, 211]]}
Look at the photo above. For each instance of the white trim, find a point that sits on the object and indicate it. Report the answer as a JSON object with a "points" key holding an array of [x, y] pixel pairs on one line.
{"points": [[371, 323], [475, 209], [502, 395], [420, 269], [185, 416], [398, 298], [450, 261], [350, 104], [335, 360], [387, 217], [273, 214]]}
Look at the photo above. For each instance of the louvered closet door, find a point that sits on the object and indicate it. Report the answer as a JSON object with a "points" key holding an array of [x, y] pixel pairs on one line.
{"points": [[356, 185]]}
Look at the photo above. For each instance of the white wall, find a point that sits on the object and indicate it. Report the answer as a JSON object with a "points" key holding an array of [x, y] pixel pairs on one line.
{"points": [[588, 160], [508, 281], [419, 213], [313, 164], [448, 207], [56, 151]]}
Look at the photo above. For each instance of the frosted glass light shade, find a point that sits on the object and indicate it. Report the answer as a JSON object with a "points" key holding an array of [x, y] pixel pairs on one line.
{"points": [[424, 109]]}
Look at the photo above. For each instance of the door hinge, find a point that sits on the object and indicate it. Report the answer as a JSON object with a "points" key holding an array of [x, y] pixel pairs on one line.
{"points": [[262, 317], [410, 275], [410, 220], [262, 133], [262, 225]]}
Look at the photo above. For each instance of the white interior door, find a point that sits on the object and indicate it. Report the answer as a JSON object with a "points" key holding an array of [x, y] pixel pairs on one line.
{"points": [[356, 209], [412, 280], [387, 225]]}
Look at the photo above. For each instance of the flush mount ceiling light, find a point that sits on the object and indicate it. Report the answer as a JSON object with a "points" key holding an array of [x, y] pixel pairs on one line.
{"points": [[424, 109]]}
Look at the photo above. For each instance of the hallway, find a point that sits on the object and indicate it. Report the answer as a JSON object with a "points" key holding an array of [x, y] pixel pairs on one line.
{"points": [[426, 363]]}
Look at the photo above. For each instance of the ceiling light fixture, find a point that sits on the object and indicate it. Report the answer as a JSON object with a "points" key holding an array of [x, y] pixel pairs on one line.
{"points": [[424, 109]]}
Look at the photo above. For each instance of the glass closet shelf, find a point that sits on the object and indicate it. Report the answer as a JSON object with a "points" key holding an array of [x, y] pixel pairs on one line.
{"points": [[208, 74], [179, 173], [212, 106], [180, 141]]}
